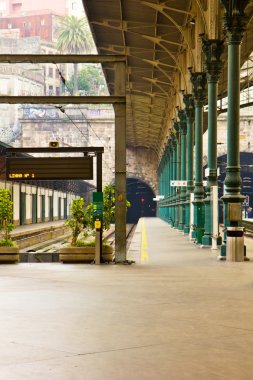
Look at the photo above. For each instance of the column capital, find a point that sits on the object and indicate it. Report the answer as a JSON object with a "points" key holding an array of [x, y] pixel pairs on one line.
{"points": [[173, 141], [177, 129], [182, 123], [189, 106], [198, 80], [166, 152], [234, 20], [212, 49], [170, 145]]}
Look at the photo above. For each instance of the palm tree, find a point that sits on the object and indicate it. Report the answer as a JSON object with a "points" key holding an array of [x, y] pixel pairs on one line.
{"points": [[74, 37]]}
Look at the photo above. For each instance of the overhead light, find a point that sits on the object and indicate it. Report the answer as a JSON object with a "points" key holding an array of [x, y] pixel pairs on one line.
{"points": [[192, 21]]}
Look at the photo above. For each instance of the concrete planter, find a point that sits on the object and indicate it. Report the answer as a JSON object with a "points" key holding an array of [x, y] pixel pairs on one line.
{"points": [[9, 254], [83, 254]]}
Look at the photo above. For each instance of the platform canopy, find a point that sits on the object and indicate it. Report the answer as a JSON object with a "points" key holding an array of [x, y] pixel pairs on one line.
{"points": [[160, 40]]}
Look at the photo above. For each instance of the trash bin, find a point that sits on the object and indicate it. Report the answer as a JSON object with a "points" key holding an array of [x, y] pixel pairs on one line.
{"points": [[235, 244]]}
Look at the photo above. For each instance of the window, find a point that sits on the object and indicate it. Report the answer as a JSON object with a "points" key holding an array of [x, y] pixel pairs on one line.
{"points": [[16, 7], [50, 90], [57, 91], [50, 72], [2, 6]]}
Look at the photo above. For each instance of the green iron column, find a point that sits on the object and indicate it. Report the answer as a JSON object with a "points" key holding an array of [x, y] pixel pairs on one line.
{"points": [[162, 193], [178, 171], [190, 114], [166, 182], [235, 26], [183, 129], [170, 179], [159, 188], [198, 80], [212, 50], [174, 177]]}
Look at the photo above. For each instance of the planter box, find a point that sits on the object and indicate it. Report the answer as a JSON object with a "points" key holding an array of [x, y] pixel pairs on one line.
{"points": [[9, 254], [83, 254]]}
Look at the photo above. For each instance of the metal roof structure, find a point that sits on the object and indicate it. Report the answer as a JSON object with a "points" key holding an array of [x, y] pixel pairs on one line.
{"points": [[160, 41]]}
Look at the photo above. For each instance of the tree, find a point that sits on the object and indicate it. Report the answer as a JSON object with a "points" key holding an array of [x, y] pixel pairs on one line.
{"points": [[90, 80], [6, 214], [73, 37], [78, 219]]}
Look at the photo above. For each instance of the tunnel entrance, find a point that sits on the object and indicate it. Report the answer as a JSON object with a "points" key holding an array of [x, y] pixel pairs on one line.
{"points": [[141, 197]]}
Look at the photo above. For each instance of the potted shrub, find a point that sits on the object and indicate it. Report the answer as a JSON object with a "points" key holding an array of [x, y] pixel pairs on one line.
{"points": [[77, 220], [82, 248], [9, 251]]}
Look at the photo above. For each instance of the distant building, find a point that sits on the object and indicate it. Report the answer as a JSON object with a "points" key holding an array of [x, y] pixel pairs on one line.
{"points": [[27, 7], [33, 19], [25, 79], [40, 24]]}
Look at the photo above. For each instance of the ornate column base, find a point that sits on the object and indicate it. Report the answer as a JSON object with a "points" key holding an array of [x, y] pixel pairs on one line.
{"points": [[199, 220], [176, 220], [207, 238], [182, 212], [222, 255], [187, 217], [172, 214], [193, 233], [181, 223]]}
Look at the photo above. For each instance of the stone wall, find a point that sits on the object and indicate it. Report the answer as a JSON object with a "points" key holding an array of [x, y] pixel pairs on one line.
{"points": [[142, 164], [87, 126]]}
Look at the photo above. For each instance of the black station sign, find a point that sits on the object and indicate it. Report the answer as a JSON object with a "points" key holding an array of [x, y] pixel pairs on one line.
{"points": [[48, 168]]}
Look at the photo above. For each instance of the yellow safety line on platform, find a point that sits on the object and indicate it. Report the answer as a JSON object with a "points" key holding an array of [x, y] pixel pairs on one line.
{"points": [[144, 252]]}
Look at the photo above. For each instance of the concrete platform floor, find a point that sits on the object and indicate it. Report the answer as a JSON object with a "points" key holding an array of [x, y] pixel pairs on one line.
{"points": [[177, 314]]}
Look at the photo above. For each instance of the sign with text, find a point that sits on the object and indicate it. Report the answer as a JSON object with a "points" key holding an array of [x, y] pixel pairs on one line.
{"points": [[48, 168], [98, 205], [178, 183]]}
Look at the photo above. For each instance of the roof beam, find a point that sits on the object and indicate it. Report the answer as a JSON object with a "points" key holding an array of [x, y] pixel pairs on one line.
{"points": [[62, 99], [60, 58], [160, 7]]}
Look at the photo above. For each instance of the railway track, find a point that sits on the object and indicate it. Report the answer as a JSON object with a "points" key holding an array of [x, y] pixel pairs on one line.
{"points": [[50, 252]]}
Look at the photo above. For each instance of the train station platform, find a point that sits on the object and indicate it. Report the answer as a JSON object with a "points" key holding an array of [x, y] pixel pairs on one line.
{"points": [[175, 314]]}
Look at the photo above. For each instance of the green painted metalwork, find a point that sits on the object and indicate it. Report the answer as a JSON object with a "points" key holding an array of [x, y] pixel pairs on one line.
{"points": [[235, 25], [178, 172], [183, 130], [171, 178], [174, 176], [190, 115], [198, 80], [213, 50]]}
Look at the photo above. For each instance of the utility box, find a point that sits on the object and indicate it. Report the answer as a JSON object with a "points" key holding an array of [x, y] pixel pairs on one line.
{"points": [[235, 244]]}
